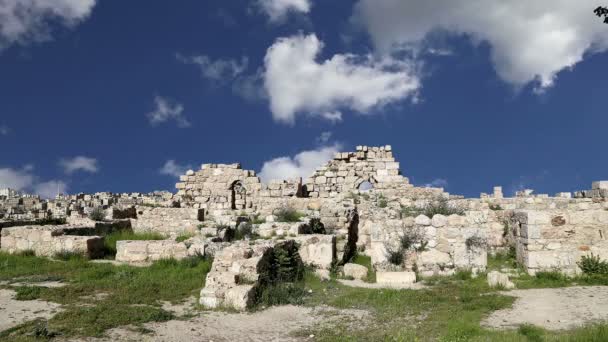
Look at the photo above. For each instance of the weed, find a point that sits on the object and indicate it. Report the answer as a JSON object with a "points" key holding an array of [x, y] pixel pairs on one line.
{"points": [[593, 265], [97, 214], [183, 237], [27, 292]]}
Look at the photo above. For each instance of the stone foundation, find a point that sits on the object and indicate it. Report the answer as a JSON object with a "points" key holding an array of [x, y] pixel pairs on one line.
{"points": [[137, 252]]}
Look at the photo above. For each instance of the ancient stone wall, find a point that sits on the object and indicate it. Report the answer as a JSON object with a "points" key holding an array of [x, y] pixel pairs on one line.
{"points": [[143, 252], [348, 170], [167, 221], [444, 243], [557, 239], [219, 187], [50, 240]]}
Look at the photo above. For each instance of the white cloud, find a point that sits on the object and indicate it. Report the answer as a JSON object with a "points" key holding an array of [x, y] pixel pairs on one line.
{"points": [[167, 110], [217, 70], [172, 168], [302, 164], [22, 21], [50, 189], [296, 83], [23, 180], [530, 40], [277, 10], [437, 183], [79, 163], [15, 179], [4, 130]]}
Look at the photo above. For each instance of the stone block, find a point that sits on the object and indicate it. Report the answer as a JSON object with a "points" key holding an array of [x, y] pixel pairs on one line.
{"points": [[599, 185], [395, 278], [355, 271]]}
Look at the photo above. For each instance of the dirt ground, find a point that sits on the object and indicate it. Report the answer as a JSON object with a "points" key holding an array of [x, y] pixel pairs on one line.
{"points": [[553, 309], [14, 312], [274, 324]]}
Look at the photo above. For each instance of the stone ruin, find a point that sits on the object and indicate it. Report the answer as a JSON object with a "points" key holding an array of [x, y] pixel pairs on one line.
{"points": [[365, 206]]}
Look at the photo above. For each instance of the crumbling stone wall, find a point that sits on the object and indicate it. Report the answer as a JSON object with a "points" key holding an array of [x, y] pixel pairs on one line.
{"points": [[348, 170], [50, 240], [557, 239], [167, 221], [445, 243], [219, 187]]}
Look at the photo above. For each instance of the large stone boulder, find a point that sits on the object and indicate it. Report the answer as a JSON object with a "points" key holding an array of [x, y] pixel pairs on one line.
{"points": [[355, 271]]}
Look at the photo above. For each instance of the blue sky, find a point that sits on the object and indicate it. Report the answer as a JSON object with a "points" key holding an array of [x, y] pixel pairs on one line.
{"points": [[122, 96]]}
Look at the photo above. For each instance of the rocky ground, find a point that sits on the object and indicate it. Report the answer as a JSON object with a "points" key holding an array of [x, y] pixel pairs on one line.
{"points": [[14, 312]]}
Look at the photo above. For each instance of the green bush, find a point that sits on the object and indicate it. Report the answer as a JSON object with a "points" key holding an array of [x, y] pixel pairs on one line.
{"points": [[183, 237], [442, 207], [97, 214], [288, 214], [593, 265]]}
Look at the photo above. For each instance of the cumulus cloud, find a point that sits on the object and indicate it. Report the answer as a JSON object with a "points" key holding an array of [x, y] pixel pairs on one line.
{"points": [[531, 41], [297, 83], [216, 70], [167, 110], [302, 164], [174, 169], [50, 189], [79, 163], [277, 10], [22, 21], [15, 179], [25, 181]]}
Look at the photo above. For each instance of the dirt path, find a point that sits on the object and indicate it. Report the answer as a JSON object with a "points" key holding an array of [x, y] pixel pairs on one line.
{"points": [[553, 309], [14, 312], [273, 324]]}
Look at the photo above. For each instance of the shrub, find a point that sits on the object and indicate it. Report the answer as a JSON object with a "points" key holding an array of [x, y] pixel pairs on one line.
{"points": [[476, 242], [315, 226], [257, 219], [97, 214], [593, 265], [411, 240], [441, 206], [244, 231], [287, 214], [382, 201]]}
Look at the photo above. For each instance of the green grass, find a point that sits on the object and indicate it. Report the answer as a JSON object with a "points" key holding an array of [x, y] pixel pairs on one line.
{"points": [[451, 310], [184, 237], [111, 239], [133, 294]]}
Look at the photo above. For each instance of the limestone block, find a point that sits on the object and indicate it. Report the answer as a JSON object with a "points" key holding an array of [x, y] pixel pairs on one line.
{"points": [[599, 185], [238, 297], [433, 257], [355, 271], [423, 220], [395, 278], [317, 250]]}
